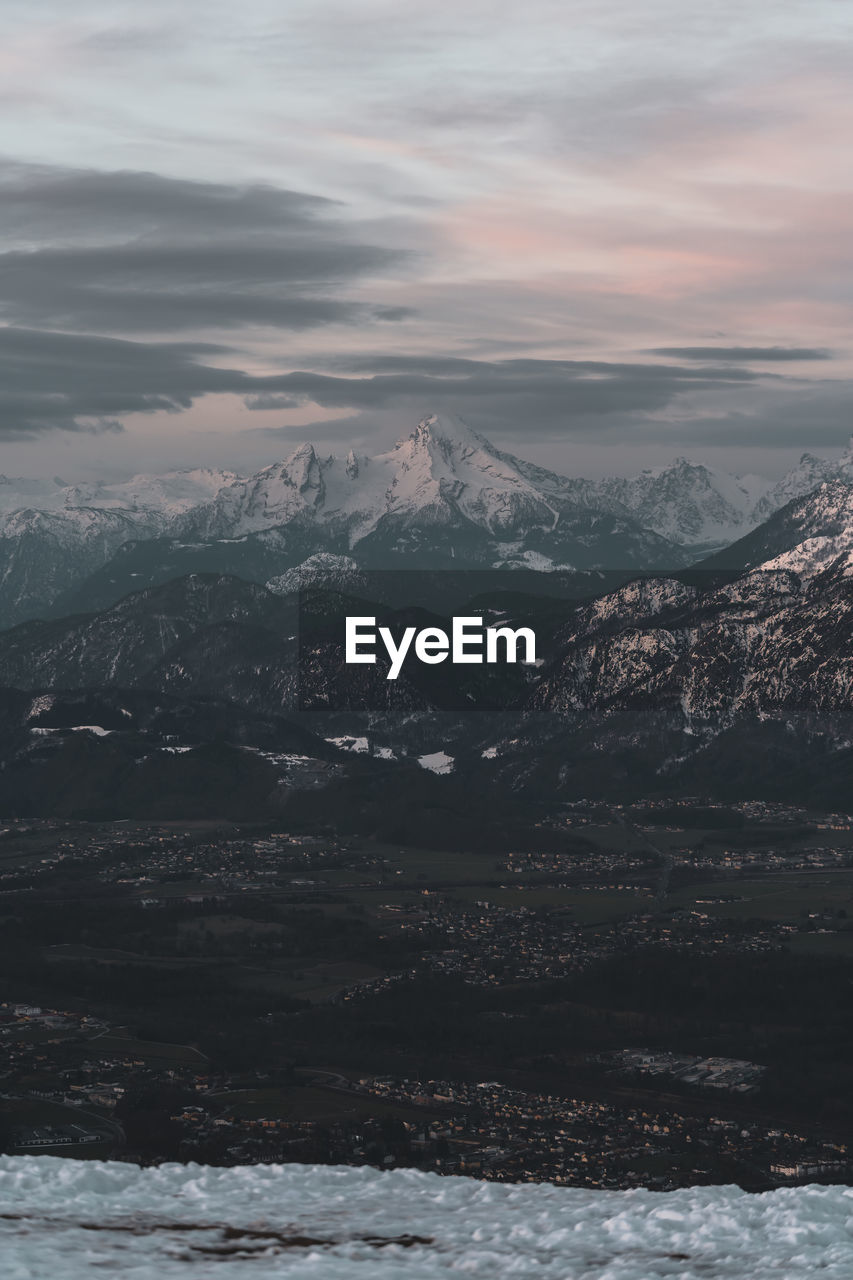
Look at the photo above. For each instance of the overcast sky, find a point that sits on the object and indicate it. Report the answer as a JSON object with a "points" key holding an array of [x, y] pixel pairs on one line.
{"points": [[603, 233]]}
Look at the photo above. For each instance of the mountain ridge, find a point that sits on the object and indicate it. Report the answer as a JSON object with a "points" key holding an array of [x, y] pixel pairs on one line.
{"points": [[727, 502], [441, 497]]}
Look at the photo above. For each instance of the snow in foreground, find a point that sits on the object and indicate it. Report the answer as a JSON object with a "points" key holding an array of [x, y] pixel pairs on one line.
{"points": [[69, 1218]]}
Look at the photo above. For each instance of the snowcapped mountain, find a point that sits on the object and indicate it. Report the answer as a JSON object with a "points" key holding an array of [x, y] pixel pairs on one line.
{"points": [[442, 497], [43, 553], [661, 657], [692, 504], [164, 496], [805, 477], [69, 1218], [16, 494], [440, 473], [815, 554], [62, 533], [322, 570], [705, 508], [804, 535], [441, 469], [167, 496]]}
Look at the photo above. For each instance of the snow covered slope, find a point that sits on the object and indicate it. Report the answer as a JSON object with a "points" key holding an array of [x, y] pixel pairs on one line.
{"points": [[53, 535], [804, 532], [443, 469], [165, 495], [75, 1219], [442, 497], [690, 503], [807, 475], [769, 646], [441, 463], [21, 492]]}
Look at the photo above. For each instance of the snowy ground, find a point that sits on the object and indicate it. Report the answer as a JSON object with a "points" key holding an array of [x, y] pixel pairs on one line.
{"points": [[68, 1219]]}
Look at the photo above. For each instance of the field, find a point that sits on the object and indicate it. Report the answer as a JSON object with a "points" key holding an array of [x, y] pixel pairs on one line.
{"points": [[312, 1103], [786, 896], [148, 1050]]}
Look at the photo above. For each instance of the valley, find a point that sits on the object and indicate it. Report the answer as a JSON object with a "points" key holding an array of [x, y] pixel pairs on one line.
{"points": [[582, 920], [237, 993]]}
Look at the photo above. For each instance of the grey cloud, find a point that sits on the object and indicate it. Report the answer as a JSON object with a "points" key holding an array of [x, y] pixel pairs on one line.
{"points": [[536, 398], [601, 120], [54, 379], [133, 40], [71, 205], [468, 370], [733, 354], [552, 394], [391, 314], [541, 399], [596, 402], [817, 417], [266, 402], [83, 383], [135, 253]]}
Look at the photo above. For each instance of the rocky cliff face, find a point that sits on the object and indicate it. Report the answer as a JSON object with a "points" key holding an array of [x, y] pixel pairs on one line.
{"points": [[806, 530], [770, 645], [693, 505]]}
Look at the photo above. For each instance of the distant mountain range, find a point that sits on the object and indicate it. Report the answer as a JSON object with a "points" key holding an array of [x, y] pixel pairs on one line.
{"points": [[808, 534], [175, 669], [728, 679], [443, 497]]}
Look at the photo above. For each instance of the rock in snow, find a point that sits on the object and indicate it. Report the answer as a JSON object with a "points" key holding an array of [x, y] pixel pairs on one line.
{"points": [[74, 1219]]}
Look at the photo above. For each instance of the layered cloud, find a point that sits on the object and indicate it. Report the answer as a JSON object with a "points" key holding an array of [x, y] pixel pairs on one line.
{"points": [[753, 355], [569, 222], [136, 252], [114, 288], [77, 382]]}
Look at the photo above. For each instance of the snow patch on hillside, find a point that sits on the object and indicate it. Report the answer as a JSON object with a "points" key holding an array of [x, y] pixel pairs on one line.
{"points": [[437, 762], [351, 743]]}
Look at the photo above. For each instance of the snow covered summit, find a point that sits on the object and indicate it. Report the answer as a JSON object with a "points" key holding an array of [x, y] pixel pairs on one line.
{"points": [[76, 1219], [440, 470], [159, 497], [443, 497], [689, 502]]}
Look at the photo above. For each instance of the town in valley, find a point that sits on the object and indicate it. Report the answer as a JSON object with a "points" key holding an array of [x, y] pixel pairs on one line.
{"points": [[636, 995]]}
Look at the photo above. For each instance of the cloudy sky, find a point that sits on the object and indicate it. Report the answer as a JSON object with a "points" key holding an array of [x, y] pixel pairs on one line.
{"points": [[601, 232]]}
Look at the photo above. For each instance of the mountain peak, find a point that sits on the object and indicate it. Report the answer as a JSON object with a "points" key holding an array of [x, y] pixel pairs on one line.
{"points": [[680, 462], [303, 452], [846, 459], [445, 428]]}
